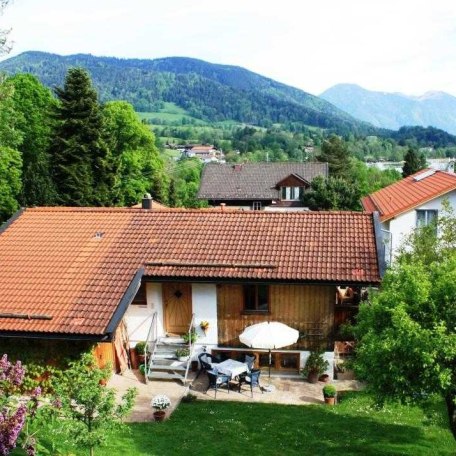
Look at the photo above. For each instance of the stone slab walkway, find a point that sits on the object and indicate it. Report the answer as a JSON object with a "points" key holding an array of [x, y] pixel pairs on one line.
{"points": [[295, 391]]}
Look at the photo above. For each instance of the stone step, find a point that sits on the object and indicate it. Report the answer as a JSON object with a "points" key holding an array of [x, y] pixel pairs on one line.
{"points": [[163, 367], [164, 376]]}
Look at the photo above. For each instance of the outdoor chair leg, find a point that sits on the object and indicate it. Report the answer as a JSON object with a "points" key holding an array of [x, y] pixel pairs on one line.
{"points": [[215, 391]]}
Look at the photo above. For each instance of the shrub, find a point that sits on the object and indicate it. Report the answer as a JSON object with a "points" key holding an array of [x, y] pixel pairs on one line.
{"points": [[315, 364], [140, 347], [329, 391], [182, 352]]}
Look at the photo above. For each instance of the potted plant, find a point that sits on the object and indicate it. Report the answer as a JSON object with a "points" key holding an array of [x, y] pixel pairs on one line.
{"points": [[314, 367], [329, 393], [204, 325], [160, 403], [182, 354], [190, 337], [139, 349]]}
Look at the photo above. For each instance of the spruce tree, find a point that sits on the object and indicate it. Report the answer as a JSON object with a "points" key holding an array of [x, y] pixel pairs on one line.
{"points": [[335, 152], [413, 162], [80, 158]]}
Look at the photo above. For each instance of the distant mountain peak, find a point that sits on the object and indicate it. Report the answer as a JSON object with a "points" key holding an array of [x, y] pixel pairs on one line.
{"points": [[394, 110]]}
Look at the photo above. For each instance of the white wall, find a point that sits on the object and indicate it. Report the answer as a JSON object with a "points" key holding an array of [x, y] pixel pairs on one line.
{"points": [[139, 318], [402, 225], [204, 305], [328, 356]]}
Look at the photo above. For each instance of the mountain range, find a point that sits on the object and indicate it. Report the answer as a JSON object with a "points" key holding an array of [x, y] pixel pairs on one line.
{"points": [[206, 91], [393, 110]]}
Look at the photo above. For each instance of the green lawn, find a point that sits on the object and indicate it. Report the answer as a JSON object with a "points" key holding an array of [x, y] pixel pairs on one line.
{"points": [[354, 427]]}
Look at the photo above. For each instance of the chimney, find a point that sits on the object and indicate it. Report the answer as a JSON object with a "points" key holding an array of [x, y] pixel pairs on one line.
{"points": [[147, 201], [237, 167], [222, 206]]}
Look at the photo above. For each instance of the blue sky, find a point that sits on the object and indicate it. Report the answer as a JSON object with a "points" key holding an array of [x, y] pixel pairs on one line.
{"points": [[389, 45]]}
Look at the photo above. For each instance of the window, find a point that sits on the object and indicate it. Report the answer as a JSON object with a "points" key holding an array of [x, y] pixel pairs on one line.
{"points": [[425, 217], [290, 193], [256, 206], [141, 297], [256, 298]]}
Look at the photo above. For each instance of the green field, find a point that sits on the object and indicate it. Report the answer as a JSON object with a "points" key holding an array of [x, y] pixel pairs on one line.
{"points": [[170, 113], [354, 427]]}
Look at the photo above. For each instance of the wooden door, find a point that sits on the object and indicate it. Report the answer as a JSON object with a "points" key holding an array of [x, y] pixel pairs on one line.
{"points": [[177, 299]]}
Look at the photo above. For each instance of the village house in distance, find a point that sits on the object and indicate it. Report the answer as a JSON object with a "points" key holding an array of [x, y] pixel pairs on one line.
{"points": [[410, 203], [259, 186]]}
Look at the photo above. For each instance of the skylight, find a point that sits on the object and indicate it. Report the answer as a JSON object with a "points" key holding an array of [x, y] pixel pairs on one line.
{"points": [[422, 176]]}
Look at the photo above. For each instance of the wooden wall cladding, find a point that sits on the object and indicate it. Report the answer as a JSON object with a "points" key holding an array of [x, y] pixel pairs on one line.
{"points": [[307, 308]]}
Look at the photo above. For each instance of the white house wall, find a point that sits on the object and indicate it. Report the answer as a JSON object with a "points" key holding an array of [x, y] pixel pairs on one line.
{"points": [[402, 225], [204, 304], [139, 318]]}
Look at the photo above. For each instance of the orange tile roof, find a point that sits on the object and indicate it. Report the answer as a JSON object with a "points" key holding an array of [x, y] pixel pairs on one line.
{"points": [[75, 264], [408, 193]]}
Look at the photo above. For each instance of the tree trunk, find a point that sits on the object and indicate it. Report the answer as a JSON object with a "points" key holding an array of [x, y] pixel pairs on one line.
{"points": [[451, 407]]}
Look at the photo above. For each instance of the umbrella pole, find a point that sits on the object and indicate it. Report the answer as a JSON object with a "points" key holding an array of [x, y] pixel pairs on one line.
{"points": [[270, 362]]}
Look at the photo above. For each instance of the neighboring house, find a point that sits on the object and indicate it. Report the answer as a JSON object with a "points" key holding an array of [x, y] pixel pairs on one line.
{"points": [[207, 154], [79, 273], [409, 203], [259, 186]]}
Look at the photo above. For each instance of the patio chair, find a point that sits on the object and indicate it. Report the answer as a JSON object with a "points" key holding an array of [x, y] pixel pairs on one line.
{"points": [[216, 380], [247, 358], [251, 378], [206, 360]]}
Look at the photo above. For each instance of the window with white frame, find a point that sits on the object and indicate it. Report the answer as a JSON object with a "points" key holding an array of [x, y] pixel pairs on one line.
{"points": [[425, 217], [290, 193]]}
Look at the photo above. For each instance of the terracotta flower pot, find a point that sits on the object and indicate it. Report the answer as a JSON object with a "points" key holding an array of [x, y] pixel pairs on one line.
{"points": [[330, 400], [159, 415], [312, 377]]}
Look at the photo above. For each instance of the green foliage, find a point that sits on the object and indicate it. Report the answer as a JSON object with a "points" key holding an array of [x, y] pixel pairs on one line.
{"points": [[329, 391], [10, 181], [186, 174], [315, 364], [140, 347], [334, 151], [407, 337], [33, 104], [333, 193], [182, 352], [413, 162], [81, 166], [89, 410], [137, 161], [193, 336]]}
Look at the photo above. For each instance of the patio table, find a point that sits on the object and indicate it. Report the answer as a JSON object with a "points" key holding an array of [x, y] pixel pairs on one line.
{"points": [[232, 367]]}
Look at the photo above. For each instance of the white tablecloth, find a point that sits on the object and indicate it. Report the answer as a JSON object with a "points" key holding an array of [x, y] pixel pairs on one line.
{"points": [[232, 367]]}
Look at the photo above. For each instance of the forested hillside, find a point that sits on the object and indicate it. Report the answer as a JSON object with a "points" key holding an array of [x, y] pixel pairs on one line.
{"points": [[207, 91]]}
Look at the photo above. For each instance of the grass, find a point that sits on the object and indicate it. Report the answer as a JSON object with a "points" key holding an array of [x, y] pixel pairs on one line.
{"points": [[354, 427], [170, 113]]}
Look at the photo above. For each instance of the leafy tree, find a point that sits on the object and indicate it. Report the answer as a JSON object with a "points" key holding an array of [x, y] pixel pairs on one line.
{"points": [[332, 193], [135, 157], [172, 200], [32, 106], [81, 167], [89, 408], [10, 181], [413, 162], [369, 179], [407, 335], [335, 152]]}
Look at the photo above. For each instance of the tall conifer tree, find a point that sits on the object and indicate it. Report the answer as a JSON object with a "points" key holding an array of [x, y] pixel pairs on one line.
{"points": [[80, 158], [413, 162], [335, 152]]}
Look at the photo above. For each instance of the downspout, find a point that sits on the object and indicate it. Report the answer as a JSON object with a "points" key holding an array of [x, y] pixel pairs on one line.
{"points": [[380, 245]]}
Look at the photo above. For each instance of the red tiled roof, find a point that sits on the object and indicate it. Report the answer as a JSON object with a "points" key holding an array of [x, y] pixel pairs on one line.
{"points": [[75, 264], [409, 193]]}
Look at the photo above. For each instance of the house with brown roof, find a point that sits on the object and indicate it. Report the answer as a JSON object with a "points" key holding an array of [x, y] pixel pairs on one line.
{"points": [[410, 203], [81, 273], [259, 186]]}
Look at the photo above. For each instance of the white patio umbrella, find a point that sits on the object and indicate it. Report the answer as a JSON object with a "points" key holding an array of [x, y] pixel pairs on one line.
{"points": [[270, 336]]}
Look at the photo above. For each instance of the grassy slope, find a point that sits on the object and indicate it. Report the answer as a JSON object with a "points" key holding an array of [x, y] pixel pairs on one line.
{"points": [[354, 427], [170, 113]]}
